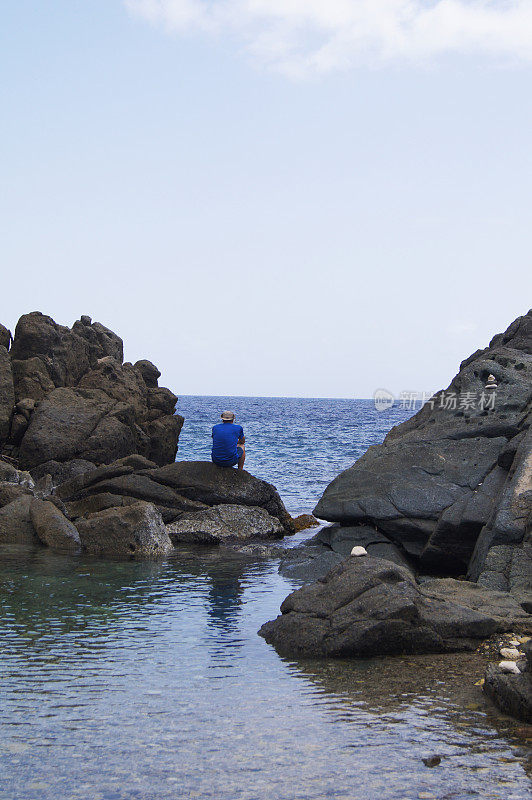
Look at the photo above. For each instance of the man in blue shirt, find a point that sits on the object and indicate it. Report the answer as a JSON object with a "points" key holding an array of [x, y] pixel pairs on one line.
{"points": [[226, 436]]}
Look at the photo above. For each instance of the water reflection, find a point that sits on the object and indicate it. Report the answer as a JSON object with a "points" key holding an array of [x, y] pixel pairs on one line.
{"points": [[148, 680]]}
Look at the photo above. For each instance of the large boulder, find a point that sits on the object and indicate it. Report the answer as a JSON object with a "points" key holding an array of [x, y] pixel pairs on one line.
{"points": [[5, 337], [459, 467], [369, 607], [213, 485], [53, 528], [15, 522], [224, 523], [135, 531], [7, 394], [91, 405]]}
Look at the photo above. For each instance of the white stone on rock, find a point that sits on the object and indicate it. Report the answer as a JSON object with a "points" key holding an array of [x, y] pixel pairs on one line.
{"points": [[510, 653], [509, 666], [358, 550]]}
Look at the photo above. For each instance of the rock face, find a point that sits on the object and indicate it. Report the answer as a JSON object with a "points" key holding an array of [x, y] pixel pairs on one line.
{"points": [[512, 693], [368, 606], [225, 523], [77, 401], [451, 488], [136, 531]]}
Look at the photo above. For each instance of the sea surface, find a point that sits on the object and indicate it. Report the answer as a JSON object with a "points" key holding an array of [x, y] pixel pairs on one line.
{"points": [[298, 444], [147, 681]]}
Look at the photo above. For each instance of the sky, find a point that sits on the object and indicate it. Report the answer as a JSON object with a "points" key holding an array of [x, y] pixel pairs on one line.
{"points": [[271, 197]]}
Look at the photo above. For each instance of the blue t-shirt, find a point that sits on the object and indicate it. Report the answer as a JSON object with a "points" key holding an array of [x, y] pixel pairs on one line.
{"points": [[225, 437]]}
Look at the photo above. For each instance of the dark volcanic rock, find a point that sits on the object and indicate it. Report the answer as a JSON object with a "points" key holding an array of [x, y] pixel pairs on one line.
{"points": [[223, 523], [452, 485], [92, 406], [5, 337], [212, 485], [53, 528], [366, 607], [15, 522], [135, 531], [7, 394], [341, 539]]}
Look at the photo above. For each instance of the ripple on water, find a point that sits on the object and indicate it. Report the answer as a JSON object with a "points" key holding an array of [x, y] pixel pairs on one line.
{"points": [[149, 681]]}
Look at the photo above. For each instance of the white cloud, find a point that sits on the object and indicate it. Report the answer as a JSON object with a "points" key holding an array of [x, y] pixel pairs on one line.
{"points": [[298, 37]]}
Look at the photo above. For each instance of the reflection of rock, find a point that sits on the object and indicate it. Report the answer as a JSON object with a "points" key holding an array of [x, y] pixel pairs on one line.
{"points": [[512, 693], [136, 531], [369, 606], [452, 485], [225, 522]]}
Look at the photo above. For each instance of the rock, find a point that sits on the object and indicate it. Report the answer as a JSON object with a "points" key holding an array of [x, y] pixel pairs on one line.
{"points": [[509, 653], [451, 485], [225, 522], [135, 461], [304, 521], [12, 491], [368, 607], [93, 407], [136, 531], [15, 522], [31, 378], [77, 486], [358, 551], [7, 394], [509, 667], [19, 426], [150, 373], [212, 485], [511, 691], [62, 472], [503, 553], [53, 528], [8, 473], [432, 761], [307, 564], [26, 407], [341, 539], [94, 503], [5, 337], [502, 607]]}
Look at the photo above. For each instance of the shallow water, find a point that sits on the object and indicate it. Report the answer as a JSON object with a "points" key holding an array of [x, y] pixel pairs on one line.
{"points": [[148, 680]]}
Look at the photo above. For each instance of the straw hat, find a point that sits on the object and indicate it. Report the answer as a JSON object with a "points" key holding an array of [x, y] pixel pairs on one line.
{"points": [[227, 416]]}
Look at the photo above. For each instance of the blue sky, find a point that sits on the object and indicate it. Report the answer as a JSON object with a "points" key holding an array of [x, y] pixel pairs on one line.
{"points": [[271, 199]]}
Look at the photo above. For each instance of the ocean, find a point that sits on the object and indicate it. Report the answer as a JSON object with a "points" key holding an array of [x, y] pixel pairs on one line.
{"points": [[298, 444]]}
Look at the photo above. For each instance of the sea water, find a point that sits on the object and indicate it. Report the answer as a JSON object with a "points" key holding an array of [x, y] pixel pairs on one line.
{"points": [[126, 680]]}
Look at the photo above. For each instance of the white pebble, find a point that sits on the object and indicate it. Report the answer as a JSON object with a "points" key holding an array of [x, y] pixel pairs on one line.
{"points": [[509, 653], [358, 550], [514, 642], [510, 666]]}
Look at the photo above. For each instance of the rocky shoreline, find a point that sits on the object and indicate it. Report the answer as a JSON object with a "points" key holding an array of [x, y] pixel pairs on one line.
{"points": [[440, 513]]}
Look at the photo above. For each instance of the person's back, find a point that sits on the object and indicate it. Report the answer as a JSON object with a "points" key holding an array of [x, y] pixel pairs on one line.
{"points": [[226, 436]]}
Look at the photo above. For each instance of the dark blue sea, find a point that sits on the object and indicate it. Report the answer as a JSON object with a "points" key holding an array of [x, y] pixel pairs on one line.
{"points": [[298, 444], [147, 680]]}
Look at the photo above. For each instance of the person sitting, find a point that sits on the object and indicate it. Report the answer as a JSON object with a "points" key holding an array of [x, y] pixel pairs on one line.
{"points": [[228, 442]]}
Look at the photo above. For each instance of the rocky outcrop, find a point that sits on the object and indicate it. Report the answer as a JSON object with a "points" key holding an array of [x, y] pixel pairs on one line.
{"points": [[77, 401], [451, 487], [224, 523], [512, 693], [369, 606], [52, 527], [135, 531]]}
